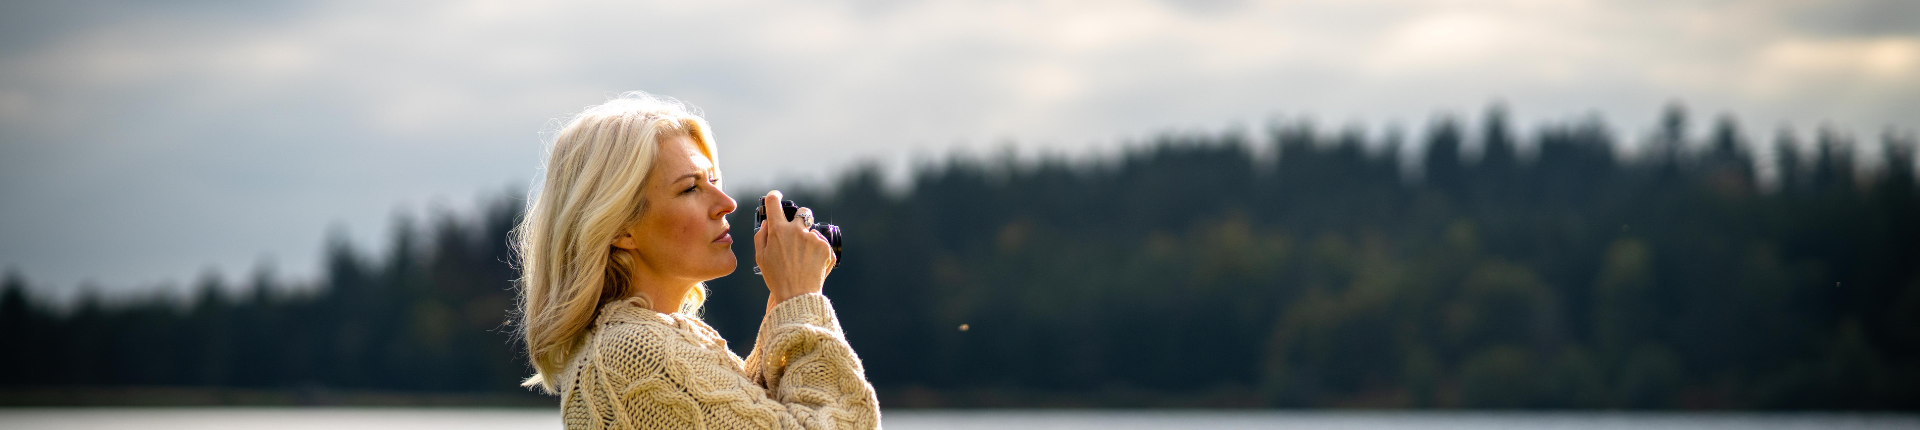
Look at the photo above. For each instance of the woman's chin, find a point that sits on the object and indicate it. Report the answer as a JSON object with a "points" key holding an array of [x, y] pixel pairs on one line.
{"points": [[725, 267]]}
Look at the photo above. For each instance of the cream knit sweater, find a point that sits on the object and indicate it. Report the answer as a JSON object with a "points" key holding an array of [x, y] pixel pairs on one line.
{"points": [[640, 369]]}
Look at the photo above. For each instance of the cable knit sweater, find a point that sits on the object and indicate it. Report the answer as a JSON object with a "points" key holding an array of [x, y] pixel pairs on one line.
{"points": [[641, 369]]}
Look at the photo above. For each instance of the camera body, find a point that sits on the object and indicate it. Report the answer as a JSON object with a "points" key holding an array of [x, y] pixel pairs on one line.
{"points": [[829, 231]]}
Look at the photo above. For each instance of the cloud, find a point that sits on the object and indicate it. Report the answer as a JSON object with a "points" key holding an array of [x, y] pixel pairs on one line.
{"points": [[140, 142]]}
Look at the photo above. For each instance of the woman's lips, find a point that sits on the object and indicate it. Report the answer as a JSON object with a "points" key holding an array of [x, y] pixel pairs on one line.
{"points": [[724, 238]]}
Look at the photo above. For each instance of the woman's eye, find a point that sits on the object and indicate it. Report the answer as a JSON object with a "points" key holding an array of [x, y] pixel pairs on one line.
{"points": [[695, 186]]}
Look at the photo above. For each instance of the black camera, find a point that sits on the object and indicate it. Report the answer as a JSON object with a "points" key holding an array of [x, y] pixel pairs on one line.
{"points": [[829, 231]]}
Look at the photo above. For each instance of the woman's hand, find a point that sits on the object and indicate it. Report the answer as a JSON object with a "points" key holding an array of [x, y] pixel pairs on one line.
{"points": [[793, 259]]}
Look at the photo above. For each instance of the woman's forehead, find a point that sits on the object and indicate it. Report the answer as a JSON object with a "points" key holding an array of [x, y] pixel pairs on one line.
{"points": [[678, 156]]}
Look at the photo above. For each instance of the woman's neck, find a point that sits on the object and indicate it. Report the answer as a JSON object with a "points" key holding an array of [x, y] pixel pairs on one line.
{"points": [[663, 296]]}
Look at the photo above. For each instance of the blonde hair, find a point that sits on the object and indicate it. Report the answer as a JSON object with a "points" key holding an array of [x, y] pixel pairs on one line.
{"points": [[596, 168]]}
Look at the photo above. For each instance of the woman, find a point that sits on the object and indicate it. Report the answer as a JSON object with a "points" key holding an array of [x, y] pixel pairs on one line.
{"points": [[629, 223]]}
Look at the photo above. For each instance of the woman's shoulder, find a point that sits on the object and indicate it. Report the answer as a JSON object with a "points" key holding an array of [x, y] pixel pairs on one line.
{"points": [[631, 330], [630, 313], [634, 354]]}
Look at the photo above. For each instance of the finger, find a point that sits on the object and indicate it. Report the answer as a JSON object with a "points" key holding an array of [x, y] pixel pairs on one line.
{"points": [[776, 214], [772, 202], [803, 218], [759, 241]]}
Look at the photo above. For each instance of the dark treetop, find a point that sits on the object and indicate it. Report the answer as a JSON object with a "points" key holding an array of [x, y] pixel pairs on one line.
{"points": [[1489, 269]]}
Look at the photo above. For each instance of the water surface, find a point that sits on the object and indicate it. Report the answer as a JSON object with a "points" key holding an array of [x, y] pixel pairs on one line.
{"points": [[486, 419]]}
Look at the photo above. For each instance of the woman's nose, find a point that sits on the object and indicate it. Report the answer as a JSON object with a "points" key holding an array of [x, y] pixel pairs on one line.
{"points": [[727, 205]]}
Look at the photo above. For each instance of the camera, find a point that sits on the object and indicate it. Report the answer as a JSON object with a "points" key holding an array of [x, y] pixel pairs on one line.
{"points": [[829, 231]]}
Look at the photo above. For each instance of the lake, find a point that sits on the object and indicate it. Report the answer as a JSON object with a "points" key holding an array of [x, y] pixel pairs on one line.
{"points": [[484, 419]]}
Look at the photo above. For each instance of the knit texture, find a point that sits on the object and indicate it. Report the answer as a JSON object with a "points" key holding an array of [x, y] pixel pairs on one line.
{"points": [[640, 369]]}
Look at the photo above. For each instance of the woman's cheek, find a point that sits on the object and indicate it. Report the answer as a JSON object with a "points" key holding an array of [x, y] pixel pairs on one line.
{"points": [[691, 234]]}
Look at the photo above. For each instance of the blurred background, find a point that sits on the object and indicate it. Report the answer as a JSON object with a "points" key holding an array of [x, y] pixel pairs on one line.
{"points": [[1124, 204]]}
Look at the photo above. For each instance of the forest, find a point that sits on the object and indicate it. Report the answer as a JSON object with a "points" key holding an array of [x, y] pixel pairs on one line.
{"points": [[1468, 265]]}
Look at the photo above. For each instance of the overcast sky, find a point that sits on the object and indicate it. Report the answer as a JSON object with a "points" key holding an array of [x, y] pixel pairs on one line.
{"points": [[144, 142]]}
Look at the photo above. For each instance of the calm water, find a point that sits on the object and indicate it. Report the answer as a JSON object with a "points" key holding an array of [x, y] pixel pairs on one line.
{"points": [[480, 419]]}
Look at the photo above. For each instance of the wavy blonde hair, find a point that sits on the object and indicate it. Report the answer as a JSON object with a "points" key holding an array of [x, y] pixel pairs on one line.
{"points": [[597, 166]]}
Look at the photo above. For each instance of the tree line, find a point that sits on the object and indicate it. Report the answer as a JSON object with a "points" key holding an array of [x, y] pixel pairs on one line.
{"points": [[1472, 266]]}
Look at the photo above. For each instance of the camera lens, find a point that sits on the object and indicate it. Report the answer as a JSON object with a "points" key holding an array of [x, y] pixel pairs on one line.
{"points": [[832, 233]]}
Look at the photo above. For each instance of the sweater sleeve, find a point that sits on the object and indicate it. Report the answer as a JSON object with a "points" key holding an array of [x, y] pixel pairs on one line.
{"points": [[801, 354], [812, 378]]}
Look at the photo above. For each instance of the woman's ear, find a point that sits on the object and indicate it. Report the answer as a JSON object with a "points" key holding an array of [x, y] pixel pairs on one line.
{"points": [[625, 241]]}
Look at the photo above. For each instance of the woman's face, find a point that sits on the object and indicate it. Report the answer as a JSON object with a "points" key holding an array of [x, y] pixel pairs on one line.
{"points": [[682, 233]]}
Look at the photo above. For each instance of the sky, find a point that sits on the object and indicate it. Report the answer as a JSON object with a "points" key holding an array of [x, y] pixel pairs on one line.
{"points": [[143, 144]]}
